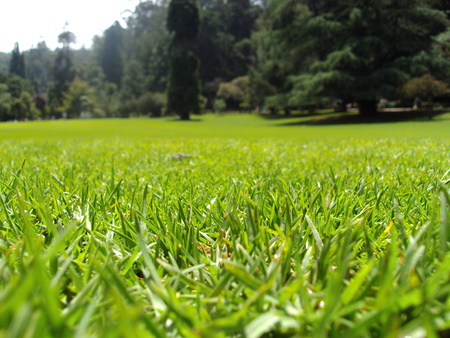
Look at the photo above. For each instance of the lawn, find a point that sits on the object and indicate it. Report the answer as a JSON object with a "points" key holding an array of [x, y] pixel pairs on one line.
{"points": [[242, 126], [262, 227]]}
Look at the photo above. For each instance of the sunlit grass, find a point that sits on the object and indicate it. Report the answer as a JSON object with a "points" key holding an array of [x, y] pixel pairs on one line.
{"points": [[220, 126], [263, 229]]}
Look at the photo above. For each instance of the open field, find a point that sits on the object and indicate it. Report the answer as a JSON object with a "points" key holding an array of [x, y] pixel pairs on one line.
{"points": [[264, 228], [240, 126]]}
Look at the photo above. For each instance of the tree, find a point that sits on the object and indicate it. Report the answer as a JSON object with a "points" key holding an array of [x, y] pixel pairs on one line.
{"points": [[38, 66], [72, 100], [5, 103], [111, 54], [17, 63], [144, 55], [183, 92], [426, 87], [235, 92], [225, 48], [15, 99], [282, 50], [63, 70], [364, 49]]}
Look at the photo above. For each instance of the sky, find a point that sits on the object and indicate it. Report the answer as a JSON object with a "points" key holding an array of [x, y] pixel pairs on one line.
{"points": [[31, 21]]}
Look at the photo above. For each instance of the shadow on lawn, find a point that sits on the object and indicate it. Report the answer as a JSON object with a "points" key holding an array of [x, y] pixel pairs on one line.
{"points": [[192, 119], [387, 116], [293, 116]]}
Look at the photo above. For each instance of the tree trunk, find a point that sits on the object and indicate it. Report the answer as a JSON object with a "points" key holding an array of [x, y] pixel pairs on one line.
{"points": [[367, 107]]}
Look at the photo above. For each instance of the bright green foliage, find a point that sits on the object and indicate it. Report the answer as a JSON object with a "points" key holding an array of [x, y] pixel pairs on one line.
{"points": [[224, 237], [219, 105], [15, 100], [183, 92], [73, 96]]}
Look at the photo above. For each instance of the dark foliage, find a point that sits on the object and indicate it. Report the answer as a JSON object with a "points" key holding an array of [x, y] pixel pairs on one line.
{"points": [[183, 92]]}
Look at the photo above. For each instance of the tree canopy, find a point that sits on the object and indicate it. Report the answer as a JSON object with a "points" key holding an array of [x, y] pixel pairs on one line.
{"points": [[293, 54], [353, 50]]}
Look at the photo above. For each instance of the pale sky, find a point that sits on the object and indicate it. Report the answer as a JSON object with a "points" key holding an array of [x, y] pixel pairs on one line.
{"points": [[31, 21]]}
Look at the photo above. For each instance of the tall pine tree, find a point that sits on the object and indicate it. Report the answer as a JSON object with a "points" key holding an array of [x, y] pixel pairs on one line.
{"points": [[111, 54], [17, 63], [63, 70], [183, 21]]}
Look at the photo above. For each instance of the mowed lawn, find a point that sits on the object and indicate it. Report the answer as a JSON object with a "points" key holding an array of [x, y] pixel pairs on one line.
{"points": [[225, 226], [242, 126]]}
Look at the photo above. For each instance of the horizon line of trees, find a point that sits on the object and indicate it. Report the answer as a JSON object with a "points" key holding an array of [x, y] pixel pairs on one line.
{"points": [[279, 55]]}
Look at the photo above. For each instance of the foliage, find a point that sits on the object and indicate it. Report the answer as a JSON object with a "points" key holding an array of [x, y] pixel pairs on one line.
{"points": [[73, 97], [41, 104], [146, 47], [183, 90], [66, 38], [245, 237], [5, 102], [38, 62], [235, 91], [4, 62], [110, 54], [63, 71], [364, 49], [15, 99], [425, 87], [295, 53], [17, 63], [219, 105], [108, 99], [151, 104], [225, 49], [282, 50]]}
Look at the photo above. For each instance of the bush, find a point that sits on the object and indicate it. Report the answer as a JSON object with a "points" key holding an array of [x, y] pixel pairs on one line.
{"points": [[219, 105], [150, 104], [426, 87]]}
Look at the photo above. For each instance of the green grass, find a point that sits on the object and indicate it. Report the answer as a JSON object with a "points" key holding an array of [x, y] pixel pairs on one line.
{"points": [[220, 126], [264, 230]]}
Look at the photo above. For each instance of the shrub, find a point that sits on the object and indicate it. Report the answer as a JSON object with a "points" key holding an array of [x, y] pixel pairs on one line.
{"points": [[150, 104], [425, 87], [219, 105]]}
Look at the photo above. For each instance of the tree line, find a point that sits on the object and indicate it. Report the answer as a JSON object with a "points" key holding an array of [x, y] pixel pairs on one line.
{"points": [[186, 56]]}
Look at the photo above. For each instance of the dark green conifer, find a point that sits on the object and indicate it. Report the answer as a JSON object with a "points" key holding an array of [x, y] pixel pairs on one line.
{"points": [[183, 91], [364, 49], [17, 63]]}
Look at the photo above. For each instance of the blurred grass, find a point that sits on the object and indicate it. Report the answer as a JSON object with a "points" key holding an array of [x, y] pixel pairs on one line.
{"points": [[219, 126]]}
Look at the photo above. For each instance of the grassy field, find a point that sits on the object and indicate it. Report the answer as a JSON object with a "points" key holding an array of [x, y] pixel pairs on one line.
{"points": [[260, 227], [228, 126]]}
